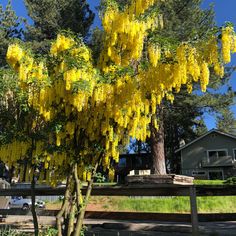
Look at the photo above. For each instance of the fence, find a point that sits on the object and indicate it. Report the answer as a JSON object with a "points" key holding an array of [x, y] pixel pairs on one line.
{"points": [[142, 190]]}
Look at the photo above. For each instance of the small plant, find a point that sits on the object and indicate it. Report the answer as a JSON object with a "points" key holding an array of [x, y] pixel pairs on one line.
{"points": [[231, 180], [106, 206], [60, 198], [82, 233], [49, 232], [100, 178], [7, 231]]}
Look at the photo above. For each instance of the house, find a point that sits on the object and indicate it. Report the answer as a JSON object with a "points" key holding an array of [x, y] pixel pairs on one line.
{"points": [[211, 156]]}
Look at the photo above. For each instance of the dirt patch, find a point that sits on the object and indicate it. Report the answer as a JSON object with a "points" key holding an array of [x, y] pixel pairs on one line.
{"points": [[95, 204], [53, 205], [95, 207]]}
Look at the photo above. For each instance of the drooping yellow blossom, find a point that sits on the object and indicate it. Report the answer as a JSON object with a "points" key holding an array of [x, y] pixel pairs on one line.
{"points": [[124, 33], [227, 34], [14, 55], [62, 43], [154, 53]]}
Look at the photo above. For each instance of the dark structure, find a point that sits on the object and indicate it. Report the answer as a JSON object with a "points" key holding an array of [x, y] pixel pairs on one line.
{"points": [[4, 173], [128, 162]]}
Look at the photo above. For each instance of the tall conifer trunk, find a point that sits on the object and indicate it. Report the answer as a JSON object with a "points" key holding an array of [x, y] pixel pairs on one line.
{"points": [[157, 145]]}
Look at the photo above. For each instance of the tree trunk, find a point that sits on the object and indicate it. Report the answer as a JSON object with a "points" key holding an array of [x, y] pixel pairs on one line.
{"points": [[74, 204], [33, 210], [80, 218], [65, 205], [71, 222], [157, 145]]}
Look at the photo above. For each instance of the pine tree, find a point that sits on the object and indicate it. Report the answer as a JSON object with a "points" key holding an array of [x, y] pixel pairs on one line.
{"points": [[225, 121], [52, 16], [9, 28]]}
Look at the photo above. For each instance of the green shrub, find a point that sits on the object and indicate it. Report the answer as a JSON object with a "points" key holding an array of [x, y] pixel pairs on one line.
{"points": [[49, 232], [231, 180], [100, 178], [7, 231]]}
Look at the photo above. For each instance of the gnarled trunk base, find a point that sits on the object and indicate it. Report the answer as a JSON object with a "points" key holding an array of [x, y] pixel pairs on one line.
{"points": [[70, 222]]}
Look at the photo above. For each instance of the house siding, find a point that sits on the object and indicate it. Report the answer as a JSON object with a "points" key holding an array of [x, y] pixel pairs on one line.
{"points": [[194, 155]]}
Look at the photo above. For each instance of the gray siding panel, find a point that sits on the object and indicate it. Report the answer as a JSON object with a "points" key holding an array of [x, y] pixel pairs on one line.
{"points": [[194, 155]]}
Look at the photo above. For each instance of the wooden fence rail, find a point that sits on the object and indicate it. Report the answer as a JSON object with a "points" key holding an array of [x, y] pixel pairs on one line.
{"points": [[141, 190]]}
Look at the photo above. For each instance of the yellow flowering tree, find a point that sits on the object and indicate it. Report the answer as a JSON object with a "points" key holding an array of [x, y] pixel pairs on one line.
{"points": [[24, 132], [93, 107]]}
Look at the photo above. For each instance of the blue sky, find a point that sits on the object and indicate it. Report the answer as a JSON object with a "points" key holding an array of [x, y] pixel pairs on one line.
{"points": [[225, 11]]}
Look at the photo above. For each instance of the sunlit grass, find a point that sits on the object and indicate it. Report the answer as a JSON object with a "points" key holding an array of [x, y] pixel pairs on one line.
{"points": [[210, 204], [208, 182]]}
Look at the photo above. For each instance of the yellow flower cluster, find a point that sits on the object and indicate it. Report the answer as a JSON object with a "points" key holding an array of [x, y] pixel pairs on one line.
{"points": [[14, 55], [111, 174], [191, 63], [154, 53], [13, 152], [62, 43], [124, 33], [228, 43], [29, 70], [33, 77]]}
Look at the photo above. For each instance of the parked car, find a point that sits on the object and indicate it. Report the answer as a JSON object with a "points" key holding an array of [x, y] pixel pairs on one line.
{"points": [[20, 202]]}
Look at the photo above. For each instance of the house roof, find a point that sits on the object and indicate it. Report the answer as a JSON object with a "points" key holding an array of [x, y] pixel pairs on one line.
{"points": [[204, 135]]}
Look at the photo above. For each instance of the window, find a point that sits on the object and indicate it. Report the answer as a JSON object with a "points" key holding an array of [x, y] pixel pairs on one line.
{"points": [[212, 153], [138, 162], [122, 163], [216, 154], [198, 173], [222, 153], [213, 175]]}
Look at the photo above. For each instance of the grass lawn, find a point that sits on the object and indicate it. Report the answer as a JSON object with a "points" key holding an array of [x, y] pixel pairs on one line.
{"points": [[208, 182], [211, 204], [177, 204], [163, 204], [226, 204]]}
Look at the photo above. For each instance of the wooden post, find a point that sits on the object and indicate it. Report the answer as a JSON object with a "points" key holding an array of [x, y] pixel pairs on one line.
{"points": [[194, 214]]}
